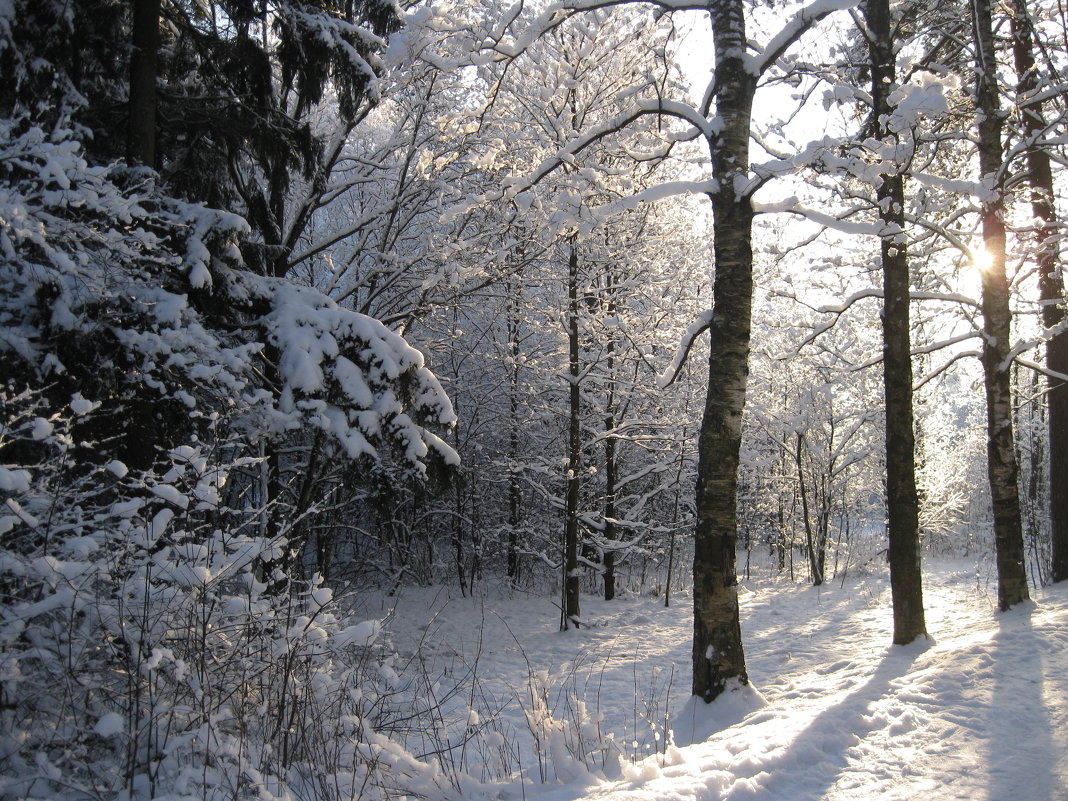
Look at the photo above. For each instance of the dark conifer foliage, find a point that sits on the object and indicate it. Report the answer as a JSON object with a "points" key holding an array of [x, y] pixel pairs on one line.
{"points": [[140, 264], [238, 82], [239, 89]]}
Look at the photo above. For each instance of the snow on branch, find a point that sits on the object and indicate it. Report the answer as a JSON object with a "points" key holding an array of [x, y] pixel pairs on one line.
{"points": [[165, 296], [1040, 368], [836, 312], [350, 375], [791, 205], [957, 186], [956, 357], [839, 309], [802, 21], [566, 155], [496, 40], [694, 330], [659, 192]]}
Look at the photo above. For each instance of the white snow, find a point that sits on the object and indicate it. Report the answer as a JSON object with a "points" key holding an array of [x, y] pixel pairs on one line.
{"points": [[170, 494], [980, 711], [361, 634], [42, 429], [117, 468], [109, 725], [81, 406]]}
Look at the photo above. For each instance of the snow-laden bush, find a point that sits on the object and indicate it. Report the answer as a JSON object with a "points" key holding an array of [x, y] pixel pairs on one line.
{"points": [[141, 654], [156, 635], [569, 742]]}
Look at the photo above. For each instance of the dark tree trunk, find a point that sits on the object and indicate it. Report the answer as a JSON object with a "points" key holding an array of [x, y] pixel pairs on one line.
{"points": [[1001, 451], [611, 467], [813, 562], [144, 69], [570, 613], [902, 501], [1050, 281], [717, 642], [513, 438]]}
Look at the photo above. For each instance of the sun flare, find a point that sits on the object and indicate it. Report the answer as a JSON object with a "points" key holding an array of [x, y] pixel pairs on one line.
{"points": [[982, 259]]}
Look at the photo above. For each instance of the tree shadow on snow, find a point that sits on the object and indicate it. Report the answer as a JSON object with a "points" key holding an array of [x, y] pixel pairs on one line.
{"points": [[813, 761], [1019, 758]]}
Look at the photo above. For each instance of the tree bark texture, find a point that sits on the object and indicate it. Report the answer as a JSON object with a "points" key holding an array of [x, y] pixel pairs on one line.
{"points": [[902, 501], [717, 643], [570, 615], [1050, 280], [1001, 453], [144, 68], [514, 491], [611, 467]]}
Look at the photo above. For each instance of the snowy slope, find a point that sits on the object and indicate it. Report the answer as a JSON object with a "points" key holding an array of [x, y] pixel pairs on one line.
{"points": [[979, 712]]}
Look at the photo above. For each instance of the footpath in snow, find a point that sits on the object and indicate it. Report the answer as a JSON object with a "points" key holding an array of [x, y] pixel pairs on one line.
{"points": [[979, 712]]}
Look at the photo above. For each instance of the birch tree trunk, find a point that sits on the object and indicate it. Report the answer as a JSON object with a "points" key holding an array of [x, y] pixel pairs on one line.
{"points": [[718, 657], [902, 503], [1001, 453]]}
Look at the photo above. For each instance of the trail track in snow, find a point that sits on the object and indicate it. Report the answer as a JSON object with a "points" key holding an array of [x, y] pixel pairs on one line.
{"points": [[978, 712]]}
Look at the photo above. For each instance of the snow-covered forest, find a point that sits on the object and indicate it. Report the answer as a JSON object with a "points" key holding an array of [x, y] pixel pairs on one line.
{"points": [[644, 399]]}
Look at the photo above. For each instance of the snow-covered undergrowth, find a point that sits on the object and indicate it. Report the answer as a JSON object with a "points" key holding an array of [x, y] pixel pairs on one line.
{"points": [[156, 638], [152, 663], [144, 655], [979, 712]]}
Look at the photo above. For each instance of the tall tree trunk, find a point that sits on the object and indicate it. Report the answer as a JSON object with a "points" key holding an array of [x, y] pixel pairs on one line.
{"points": [[611, 467], [610, 472], [813, 564], [1050, 280], [902, 501], [144, 70], [1001, 451], [718, 657], [570, 612], [513, 437]]}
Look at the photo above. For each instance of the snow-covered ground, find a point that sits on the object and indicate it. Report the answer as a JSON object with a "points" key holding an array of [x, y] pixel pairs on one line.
{"points": [[978, 712]]}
